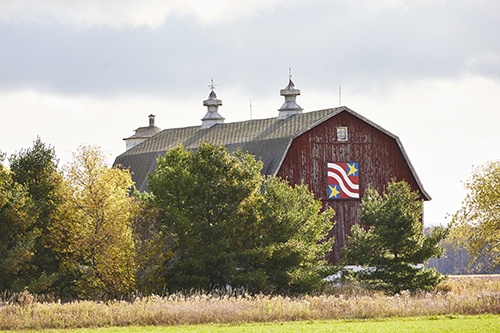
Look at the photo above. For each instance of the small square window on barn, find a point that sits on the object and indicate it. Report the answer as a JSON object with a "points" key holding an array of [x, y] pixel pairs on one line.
{"points": [[342, 134]]}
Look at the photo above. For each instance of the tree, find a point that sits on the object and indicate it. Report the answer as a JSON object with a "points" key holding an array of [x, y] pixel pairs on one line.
{"points": [[478, 221], [199, 195], [456, 258], [227, 226], [285, 245], [394, 243], [18, 233], [154, 246], [36, 169], [94, 235]]}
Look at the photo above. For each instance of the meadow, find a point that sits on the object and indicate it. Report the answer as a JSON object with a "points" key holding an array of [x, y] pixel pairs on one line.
{"points": [[455, 324], [456, 297]]}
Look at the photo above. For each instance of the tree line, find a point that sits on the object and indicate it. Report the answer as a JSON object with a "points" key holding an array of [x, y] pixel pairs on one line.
{"points": [[210, 221]]}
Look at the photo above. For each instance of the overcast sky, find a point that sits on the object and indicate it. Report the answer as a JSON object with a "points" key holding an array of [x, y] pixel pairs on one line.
{"points": [[90, 72]]}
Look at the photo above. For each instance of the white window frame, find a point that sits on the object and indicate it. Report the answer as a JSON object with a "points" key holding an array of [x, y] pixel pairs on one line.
{"points": [[342, 134]]}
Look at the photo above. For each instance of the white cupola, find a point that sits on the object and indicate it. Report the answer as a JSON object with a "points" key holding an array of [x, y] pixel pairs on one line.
{"points": [[212, 103], [142, 133], [290, 107]]}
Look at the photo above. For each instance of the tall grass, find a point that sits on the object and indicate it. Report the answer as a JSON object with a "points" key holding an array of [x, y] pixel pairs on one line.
{"points": [[456, 296]]}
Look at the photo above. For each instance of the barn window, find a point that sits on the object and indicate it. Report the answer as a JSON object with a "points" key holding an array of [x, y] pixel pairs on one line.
{"points": [[342, 134]]}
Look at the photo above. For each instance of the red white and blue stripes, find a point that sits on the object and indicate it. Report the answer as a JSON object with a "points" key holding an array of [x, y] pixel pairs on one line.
{"points": [[343, 180]]}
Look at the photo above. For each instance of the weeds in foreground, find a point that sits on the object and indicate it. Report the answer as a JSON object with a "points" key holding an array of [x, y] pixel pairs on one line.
{"points": [[456, 296]]}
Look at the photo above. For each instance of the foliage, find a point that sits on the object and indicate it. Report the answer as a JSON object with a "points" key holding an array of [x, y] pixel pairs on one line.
{"points": [[36, 170], [155, 256], [456, 258], [199, 195], [94, 236], [285, 250], [478, 221], [211, 221], [18, 232], [394, 244], [227, 227]]}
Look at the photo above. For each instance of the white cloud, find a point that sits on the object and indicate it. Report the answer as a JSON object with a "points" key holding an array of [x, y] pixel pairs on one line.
{"points": [[63, 103], [118, 14], [230, 10], [89, 13], [67, 122], [486, 63]]}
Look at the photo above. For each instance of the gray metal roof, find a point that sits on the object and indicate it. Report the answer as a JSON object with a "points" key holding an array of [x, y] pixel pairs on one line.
{"points": [[267, 139]]}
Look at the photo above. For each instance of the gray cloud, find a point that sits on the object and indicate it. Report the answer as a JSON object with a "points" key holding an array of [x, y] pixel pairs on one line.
{"points": [[325, 42], [69, 69]]}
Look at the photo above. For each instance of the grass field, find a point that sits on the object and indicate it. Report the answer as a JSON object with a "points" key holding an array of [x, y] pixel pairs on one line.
{"points": [[455, 298], [455, 324]]}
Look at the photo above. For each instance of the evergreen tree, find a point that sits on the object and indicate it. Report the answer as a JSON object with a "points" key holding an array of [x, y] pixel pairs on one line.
{"points": [[285, 245], [37, 171], [394, 243], [18, 233]]}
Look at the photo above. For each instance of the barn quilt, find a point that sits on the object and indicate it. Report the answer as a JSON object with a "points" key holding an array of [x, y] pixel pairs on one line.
{"points": [[343, 180]]}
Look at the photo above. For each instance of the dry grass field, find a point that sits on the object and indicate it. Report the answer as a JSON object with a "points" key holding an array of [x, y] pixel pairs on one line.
{"points": [[457, 296]]}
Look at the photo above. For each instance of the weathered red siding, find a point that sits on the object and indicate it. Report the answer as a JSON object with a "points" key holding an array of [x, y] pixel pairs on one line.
{"points": [[378, 154]]}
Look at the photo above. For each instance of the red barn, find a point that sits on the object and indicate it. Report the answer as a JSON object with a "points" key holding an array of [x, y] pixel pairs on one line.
{"points": [[337, 152]]}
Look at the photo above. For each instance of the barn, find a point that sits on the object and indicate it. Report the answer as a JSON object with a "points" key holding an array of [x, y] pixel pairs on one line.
{"points": [[337, 152]]}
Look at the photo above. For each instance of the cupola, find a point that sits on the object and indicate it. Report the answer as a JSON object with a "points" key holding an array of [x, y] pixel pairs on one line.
{"points": [[142, 133], [290, 107], [212, 103]]}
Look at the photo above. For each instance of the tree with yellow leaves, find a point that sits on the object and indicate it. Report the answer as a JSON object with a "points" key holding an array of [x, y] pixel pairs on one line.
{"points": [[478, 221], [94, 235]]}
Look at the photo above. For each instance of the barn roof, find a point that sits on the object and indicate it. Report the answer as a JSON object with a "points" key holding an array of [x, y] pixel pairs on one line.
{"points": [[267, 139]]}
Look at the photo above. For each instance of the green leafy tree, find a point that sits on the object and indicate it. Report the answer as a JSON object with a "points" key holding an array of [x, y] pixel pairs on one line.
{"points": [[200, 195], [394, 243], [94, 235], [285, 245], [154, 246], [18, 233], [229, 226], [37, 171], [478, 221]]}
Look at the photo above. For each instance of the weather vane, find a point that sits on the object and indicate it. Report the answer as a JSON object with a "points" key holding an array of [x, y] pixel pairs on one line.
{"points": [[212, 85]]}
